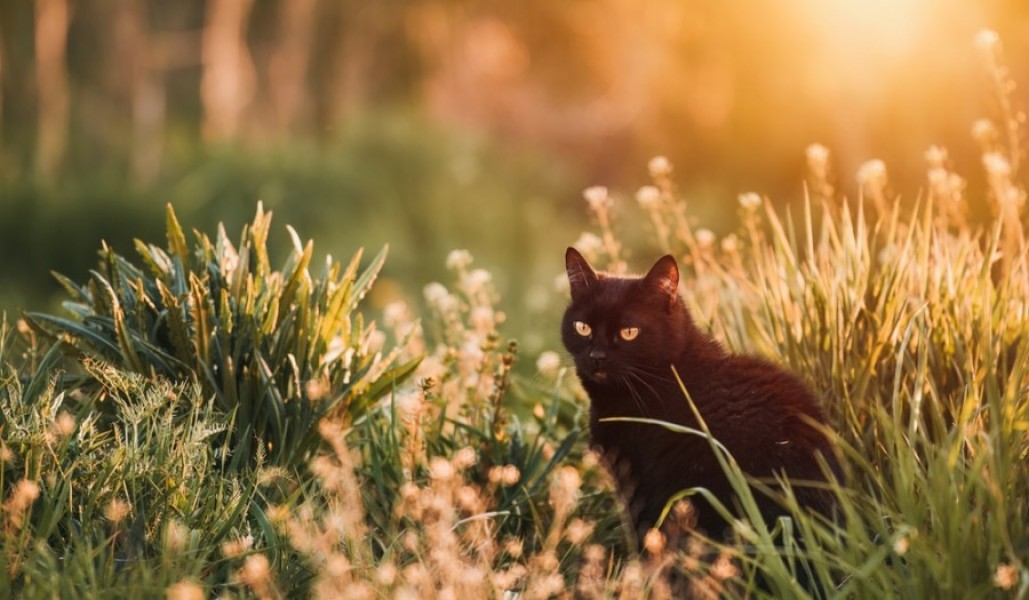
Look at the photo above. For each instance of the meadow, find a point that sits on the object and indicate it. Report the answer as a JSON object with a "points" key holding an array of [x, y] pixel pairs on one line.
{"points": [[207, 419], [223, 411]]}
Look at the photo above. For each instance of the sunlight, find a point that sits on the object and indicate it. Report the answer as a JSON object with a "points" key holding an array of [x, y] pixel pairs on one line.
{"points": [[868, 29]]}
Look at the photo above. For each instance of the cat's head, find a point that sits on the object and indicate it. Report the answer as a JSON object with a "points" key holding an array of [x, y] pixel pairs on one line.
{"points": [[619, 328]]}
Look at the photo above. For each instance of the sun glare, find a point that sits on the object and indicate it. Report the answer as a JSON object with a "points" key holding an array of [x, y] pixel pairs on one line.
{"points": [[868, 29]]}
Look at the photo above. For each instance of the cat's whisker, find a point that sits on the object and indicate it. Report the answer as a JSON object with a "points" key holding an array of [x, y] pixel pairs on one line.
{"points": [[657, 395], [640, 404]]}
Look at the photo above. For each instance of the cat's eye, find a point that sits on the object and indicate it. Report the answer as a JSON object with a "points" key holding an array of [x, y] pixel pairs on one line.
{"points": [[583, 329], [629, 333]]}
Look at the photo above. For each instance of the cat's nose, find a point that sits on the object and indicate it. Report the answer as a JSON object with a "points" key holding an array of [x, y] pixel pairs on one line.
{"points": [[598, 356]]}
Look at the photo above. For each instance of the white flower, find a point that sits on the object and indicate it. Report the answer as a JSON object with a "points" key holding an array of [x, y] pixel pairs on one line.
{"points": [[750, 201], [435, 293], [872, 174], [984, 131], [458, 259], [548, 362], [395, 313], [475, 280], [597, 197], [705, 238], [817, 159], [936, 156], [482, 319], [649, 197], [659, 166], [996, 165], [730, 243]]}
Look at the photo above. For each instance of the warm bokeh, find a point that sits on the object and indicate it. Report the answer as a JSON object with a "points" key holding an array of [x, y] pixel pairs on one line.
{"points": [[433, 124]]}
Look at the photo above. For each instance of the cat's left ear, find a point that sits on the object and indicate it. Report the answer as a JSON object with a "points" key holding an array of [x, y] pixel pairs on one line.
{"points": [[664, 276], [580, 274]]}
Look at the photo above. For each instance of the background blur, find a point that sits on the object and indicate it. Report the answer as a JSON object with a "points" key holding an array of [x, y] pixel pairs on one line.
{"points": [[439, 124]]}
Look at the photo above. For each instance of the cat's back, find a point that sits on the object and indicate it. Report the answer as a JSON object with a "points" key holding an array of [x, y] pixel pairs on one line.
{"points": [[763, 412]]}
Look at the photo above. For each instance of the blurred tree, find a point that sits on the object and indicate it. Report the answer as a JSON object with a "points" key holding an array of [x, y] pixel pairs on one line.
{"points": [[52, 18], [228, 80]]}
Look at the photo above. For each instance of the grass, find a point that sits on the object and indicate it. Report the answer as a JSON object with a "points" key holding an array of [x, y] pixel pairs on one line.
{"points": [[204, 424]]}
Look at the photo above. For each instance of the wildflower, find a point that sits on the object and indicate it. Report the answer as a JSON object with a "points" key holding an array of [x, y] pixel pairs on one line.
{"points": [[901, 545], [482, 319], [317, 389], [1006, 576], [659, 167], [577, 531], [936, 156], [464, 458], [22, 496], [396, 313], [176, 536], [654, 542], [386, 574], [337, 566], [750, 201], [597, 197], [435, 293], [468, 499], [723, 568], [458, 259], [475, 280], [64, 424], [510, 475], [548, 362], [564, 489], [705, 238], [996, 165], [184, 590], [649, 197], [730, 244], [513, 547], [817, 159], [872, 174], [256, 574], [116, 510], [547, 561], [236, 547], [984, 131], [440, 469]]}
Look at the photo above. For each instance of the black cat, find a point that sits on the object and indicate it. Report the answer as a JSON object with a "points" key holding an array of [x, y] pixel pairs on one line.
{"points": [[626, 334]]}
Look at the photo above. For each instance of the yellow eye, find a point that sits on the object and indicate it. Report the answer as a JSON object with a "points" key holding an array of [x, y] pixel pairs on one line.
{"points": [[629, 333], [583, 329]]}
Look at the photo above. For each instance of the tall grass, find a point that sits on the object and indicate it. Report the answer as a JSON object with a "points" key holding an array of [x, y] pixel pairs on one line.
{"points": [[141, 459]]}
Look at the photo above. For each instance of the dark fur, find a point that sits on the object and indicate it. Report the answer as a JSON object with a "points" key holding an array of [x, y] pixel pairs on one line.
{"points": [[758, 410]]}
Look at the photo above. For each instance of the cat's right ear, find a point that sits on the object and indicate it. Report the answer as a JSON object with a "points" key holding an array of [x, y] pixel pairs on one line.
{"points": [[580, 274]]}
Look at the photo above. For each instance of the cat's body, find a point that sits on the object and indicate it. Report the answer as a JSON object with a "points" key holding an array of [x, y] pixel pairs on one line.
{"points": [[626, 334]]}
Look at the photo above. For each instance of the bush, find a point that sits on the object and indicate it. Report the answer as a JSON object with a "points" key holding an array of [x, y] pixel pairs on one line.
{"points": [[277, 350]]}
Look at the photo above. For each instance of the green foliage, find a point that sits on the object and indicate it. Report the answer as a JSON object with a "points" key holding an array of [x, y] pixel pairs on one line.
{"points": [[277, 349], [116, 490], [913, 329]]}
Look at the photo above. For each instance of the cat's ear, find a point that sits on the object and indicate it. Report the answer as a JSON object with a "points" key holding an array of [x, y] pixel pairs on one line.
{"points": [[580, 274], [664, 276]]}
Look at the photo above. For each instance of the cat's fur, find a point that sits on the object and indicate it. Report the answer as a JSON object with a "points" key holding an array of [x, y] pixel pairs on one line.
{"points": [[759, 411]]}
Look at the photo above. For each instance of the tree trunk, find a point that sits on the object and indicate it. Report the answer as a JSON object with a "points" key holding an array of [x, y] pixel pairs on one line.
{"points": [[288, 65], [227, 82], [52, 17]]}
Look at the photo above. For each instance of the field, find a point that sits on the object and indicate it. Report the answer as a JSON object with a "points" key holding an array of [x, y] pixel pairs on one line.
{"points": [[357, 389], [201, 422]]}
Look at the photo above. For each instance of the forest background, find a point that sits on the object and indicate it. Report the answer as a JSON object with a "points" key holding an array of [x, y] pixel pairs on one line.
{"points": [[432, 125]]}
